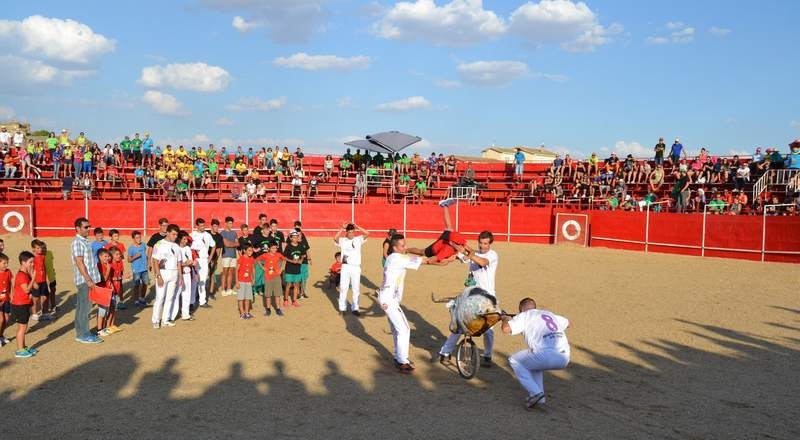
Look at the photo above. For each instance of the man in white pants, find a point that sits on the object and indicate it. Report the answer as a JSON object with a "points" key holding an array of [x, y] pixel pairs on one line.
{"points": [[548, 347], [482, 271], [166, 261], [203, 243], [351, 264], [391, 293], [183, 294]]}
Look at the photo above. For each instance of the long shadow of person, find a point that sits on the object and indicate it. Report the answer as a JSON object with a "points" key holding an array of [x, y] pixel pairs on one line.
{"points": [[156, 386]]}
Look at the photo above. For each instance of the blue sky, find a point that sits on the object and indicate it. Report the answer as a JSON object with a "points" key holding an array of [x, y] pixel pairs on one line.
{"points": [[463, 74]]}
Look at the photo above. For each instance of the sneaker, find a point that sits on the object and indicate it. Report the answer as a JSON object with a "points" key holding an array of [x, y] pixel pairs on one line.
{"points": [[302, 296], [190, 318], [45, 317], [114, 329], [447, 202], [32, 350], [36, 316], [286, 303], [533, 400], [205, 306], [279, 312], [405, 369], [212, 297], [295, 304], [242, 316], [89, 339], [486, 362], [343, 312], [140, 303], [156, 325], [268, 312], [444, 358], [104, 332], [121, 306], [24, 353], [249, 316], [356, 313], [168, 324], [3, 341]]}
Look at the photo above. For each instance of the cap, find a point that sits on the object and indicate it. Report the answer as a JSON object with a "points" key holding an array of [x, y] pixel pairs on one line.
{"points": [[795, 143], [293, 233]]}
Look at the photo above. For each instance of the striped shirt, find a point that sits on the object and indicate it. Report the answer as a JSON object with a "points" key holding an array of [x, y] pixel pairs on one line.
{"points": [[81, 248]]}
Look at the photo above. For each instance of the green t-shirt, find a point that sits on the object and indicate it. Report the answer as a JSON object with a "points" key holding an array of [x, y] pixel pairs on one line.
{"points": [[125, 145], [51, 143], [182, 187], [87, 156], [613, 202], [716, 205], [81, 140], [421, 185], [136, 144], [372, 171], [212, 167], [211, 154], [197, 173], [405, 178]]}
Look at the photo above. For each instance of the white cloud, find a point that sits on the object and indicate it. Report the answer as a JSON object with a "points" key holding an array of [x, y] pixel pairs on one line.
{"points": [[55, 39], [287, 21], [164, 103], [200, 138], [719, 32], [198, 77], [492, 73], [623, 148], [244, 26], [305, 61], [449, 84], [457, 23], [795, 124], [22, 74], [571, 24], [224, 121], [257, 104], [680, 34], [345, 102], [6, 112], [348, 138], [405, 105]]}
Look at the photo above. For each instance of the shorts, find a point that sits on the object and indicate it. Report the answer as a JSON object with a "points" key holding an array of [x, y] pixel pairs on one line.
{"points": [[40, 291], [303, 272], [441, 247], [273, 287], [21, 314], [292, 277], [245, 292], [141, 279], [674, 158], [52, 287], [228, 262], [5, 307], [148, 153], [102, 311], [659, 160], [87, 166]]}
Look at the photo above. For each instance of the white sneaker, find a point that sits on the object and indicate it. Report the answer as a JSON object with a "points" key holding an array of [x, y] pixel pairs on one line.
{"points": [[156, 325], [447, 202], [36, 316], [3, 341], [103, 332], [168, 324]]}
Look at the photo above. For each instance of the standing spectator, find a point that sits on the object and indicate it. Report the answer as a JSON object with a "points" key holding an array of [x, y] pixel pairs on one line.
{"points": [[147, 150], [136, 148], [793, 161], [137, 257], [659, 151], [204, 244], [742, 176], [86, 274], [681, 192], [519, 163], [66, 186], [24, 284], [125, 146], [5, 137], [295, 255], [219, 246], [244, 280], [18, 139], [350, 246], [272, 263], [99, 241], [167, 263], [675, 153], [6, 287], [228, 257]]}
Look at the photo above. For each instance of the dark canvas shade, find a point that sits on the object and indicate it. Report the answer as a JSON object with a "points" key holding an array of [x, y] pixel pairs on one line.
{"points": [[386, 142]]}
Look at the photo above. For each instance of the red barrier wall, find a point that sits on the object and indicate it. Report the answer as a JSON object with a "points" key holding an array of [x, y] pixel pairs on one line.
{"points": [[725, 236]]}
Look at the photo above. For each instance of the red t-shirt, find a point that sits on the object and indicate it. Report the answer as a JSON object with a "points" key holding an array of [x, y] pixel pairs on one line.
{"points": [[272, 264], [104, 281], [20, 298], [117, 270], [38, 266], [336, 267], [245, 269], [5, 286], [117, 245]]}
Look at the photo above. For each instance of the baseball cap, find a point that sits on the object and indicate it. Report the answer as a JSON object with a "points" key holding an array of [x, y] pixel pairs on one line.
{"points": [[293, 233]]}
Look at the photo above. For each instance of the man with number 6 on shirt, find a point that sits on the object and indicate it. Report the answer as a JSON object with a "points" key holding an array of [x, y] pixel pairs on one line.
{"points": [[548, 347]]}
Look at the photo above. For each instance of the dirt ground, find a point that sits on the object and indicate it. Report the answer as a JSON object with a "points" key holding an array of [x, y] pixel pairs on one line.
{"points": [[663, 346]]}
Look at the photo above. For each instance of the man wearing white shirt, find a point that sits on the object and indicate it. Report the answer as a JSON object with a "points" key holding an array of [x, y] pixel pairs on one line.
{"points": [[350, 246], [548, 348], [5, 137], [482, 271], [391, 293], [203, 243], [19, 139], [166, 261]]}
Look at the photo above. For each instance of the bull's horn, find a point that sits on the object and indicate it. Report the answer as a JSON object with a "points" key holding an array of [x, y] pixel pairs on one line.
{"points": [[442, 300]]}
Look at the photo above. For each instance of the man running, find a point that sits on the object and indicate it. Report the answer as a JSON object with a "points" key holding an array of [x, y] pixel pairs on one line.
{"points": [[548, 348], [482, 271], [390, 295]]}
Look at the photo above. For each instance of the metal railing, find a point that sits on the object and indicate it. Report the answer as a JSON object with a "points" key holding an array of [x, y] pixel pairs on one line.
{"points": [[786, 177], [462, 193]]}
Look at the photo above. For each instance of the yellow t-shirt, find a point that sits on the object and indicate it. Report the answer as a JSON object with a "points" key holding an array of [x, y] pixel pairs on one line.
{"points": [[161, 174], [172, 174], [180, 153], [201, 154], [241, 167]]}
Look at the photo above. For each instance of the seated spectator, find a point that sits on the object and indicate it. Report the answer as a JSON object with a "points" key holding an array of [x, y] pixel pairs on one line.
{"points": [[280, 171], [739, 202], [716, 205], [313, 185], [298, 157], [594, 169], [468, 179], [403, 181], [344, 167], [533, 189], [250, 189], [297, 184], [568, 167], [558, 163], [420, 190], [776, 159], [628, 169], [181, 190], [452, 164], [656, 178], [580, 169], [87, 185], [328, 167], [612, 164]]}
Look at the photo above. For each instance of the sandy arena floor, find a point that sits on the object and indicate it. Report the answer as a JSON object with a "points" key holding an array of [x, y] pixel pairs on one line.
{"points": [[662, 347]]}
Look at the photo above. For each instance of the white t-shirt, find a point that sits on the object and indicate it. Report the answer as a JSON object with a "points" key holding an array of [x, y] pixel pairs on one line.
{"points": [[394, 275], [169, 252], [186, 256], [542, 329], [201, 242], [5, 137], [484, 276], [18, 139], [351, 250]]}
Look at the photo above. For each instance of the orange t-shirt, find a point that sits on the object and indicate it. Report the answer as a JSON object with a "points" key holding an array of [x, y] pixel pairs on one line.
{"points": [[20, 298], [245, 269], [5, 286], [272, 262], [336, 267], [38, 266]]}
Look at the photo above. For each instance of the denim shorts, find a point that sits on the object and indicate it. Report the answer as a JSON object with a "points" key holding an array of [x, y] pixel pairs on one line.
{"points": [[141, 278]]}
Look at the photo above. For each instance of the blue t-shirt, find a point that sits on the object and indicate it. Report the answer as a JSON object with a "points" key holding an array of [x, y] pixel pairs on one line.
{"points": [[138, 265], [229, 252], [158, 151], [198, 165], [676, 149], [519, 158], [97, 245], [794, 160], [147, 144], [138, 172]]}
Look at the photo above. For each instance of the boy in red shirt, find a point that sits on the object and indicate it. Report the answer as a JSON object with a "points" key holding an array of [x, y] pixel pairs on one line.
{"points": [[244, 280], [272, 264], [115, 277], [335, 272], [5, 297], [40, 294], [24, 284], [105, 316], [114, 242]]}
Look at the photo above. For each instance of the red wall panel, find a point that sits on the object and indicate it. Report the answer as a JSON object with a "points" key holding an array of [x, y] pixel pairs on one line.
{"points": [[378, 217], [324, 216], [176, 212], [529, 220], [117, 214], [56, 218], [726, 231], [216, 210]]}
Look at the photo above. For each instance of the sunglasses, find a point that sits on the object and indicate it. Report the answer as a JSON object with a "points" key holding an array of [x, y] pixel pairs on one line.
{"points": [[87, 227]]}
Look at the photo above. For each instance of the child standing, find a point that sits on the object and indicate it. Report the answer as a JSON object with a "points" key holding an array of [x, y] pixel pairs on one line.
{"points": [[50, 268], [295, 254], [40, 294], [105, 314], [244, 280], [137, 256], [117, 275], [5, 297], [99, 242], [335, 272], [184, 293], [271, 263], [24, 283]]}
